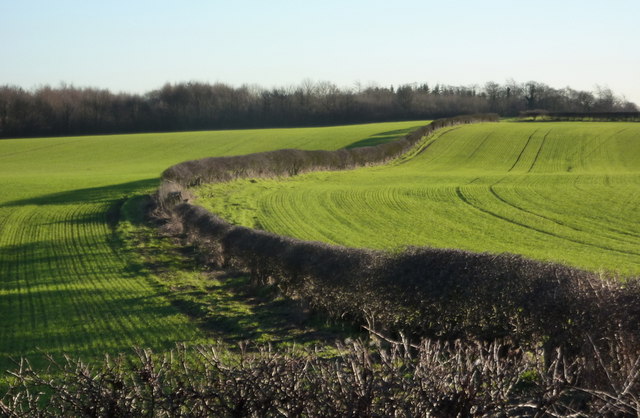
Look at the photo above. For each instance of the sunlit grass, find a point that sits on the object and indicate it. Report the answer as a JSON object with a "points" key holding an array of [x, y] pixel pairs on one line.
{"points": [[566, 192]]}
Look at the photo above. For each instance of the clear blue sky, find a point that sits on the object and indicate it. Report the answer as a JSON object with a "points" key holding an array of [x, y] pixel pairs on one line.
{"points": [[137, 46]]}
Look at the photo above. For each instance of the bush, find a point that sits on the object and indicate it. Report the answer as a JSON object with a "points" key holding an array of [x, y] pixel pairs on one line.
{"points": [[390, 379]]}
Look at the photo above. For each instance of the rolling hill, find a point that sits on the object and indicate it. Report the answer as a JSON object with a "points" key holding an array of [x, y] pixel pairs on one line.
{"points": [[65, 284], [566, 192]]}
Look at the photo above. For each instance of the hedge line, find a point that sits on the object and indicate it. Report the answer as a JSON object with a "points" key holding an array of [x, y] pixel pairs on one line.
{"points": [[439, 293], [289, 162], [545, 115], [431, 379], [450, 294], [595, 116]]}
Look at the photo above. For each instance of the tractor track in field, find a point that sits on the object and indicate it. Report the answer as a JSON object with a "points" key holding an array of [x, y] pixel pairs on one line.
{"points": [[532, 228], [529, 158], [479, 146], [552, 220], [535, 160], [522, 151], [430, 143]]}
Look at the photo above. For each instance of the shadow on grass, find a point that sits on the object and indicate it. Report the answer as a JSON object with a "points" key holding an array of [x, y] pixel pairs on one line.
{"points": [[225, 303], [87, 195], [61, 263], [381, 138], [228, 306], [243, 311], [49, 304]]}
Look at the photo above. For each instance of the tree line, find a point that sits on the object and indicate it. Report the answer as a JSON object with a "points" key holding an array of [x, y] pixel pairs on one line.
{"points": [[69, 110]]}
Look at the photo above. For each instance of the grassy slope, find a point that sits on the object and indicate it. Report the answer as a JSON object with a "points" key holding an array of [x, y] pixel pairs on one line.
{"points": [[65, 285], [568, 192]]}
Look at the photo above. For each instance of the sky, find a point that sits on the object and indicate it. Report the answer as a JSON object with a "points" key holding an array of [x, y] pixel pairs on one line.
{"points": [[139, 45]]}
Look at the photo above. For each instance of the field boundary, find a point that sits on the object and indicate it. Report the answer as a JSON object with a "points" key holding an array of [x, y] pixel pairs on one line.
{"points": [[448, 293], [290, 162], [541, 115]]}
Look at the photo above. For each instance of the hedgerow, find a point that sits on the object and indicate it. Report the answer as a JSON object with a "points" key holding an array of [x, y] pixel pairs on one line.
{"points": [[390, 379], [500, 335], [289, 162], [425, 292]]}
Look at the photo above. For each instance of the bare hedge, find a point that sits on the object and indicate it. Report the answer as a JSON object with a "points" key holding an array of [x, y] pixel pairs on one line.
{"points": [[438, 293], [289, 162], [399, 379], [595, 116], [509, 336]]}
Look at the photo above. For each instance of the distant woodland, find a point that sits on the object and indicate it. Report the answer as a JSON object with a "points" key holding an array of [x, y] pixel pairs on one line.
{"points": [[68, 110]]}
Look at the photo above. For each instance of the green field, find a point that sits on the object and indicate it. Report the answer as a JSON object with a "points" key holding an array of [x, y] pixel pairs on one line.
{"points": [[567, 192], [65, 283]]}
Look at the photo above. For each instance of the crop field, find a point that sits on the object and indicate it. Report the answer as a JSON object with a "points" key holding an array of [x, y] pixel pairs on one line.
{"points": [[559, 191], [65, 282]]}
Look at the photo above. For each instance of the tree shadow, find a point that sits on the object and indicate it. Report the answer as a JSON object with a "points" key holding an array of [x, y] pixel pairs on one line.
{"points": [[37, 264], [47, 297], [381, 137], [86, 195]]}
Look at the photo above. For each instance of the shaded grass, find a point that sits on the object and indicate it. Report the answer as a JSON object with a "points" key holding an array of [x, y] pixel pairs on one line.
{"points": [[382, 137], [224, 304]]}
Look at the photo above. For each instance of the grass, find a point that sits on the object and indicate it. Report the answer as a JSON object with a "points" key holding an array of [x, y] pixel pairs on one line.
{"points": [[559, 191], [223, 303], [67, 284]]}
